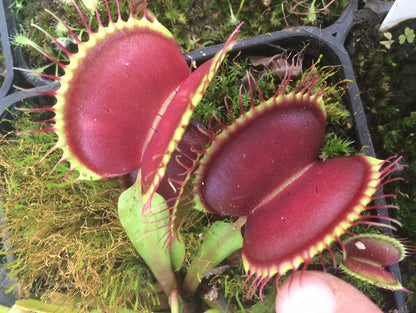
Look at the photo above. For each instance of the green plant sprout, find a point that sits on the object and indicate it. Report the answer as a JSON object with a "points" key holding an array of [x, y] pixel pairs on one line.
{"points": [[234, 17], [409, 36], [389, 40], [17, 6]]}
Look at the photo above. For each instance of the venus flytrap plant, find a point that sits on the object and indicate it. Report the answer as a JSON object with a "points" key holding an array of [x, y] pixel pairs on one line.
{"points": [[133, 113], [296, 207]]}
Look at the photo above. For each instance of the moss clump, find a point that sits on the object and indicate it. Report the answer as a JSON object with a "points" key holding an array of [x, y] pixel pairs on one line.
{"points": [[66, 236], [197, 24]]}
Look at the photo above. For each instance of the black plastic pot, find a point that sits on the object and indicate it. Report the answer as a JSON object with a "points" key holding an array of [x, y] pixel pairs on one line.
{"points": [[330, 42], [9, 95], [7, 51]]}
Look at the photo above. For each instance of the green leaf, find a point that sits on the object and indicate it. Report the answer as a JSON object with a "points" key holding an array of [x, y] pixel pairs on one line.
{"points": [[35, 306], [388, 35], [221, 240], [410, 34], [387, 43], [177, 253], [146, 232]]}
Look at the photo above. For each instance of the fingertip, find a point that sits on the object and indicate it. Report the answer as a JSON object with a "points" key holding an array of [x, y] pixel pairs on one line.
{"points": [[306, 293], [318, 292]]}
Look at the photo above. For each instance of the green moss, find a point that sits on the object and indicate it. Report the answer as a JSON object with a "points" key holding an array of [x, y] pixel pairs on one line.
{"points": [[66, 236], [336, 146]]}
